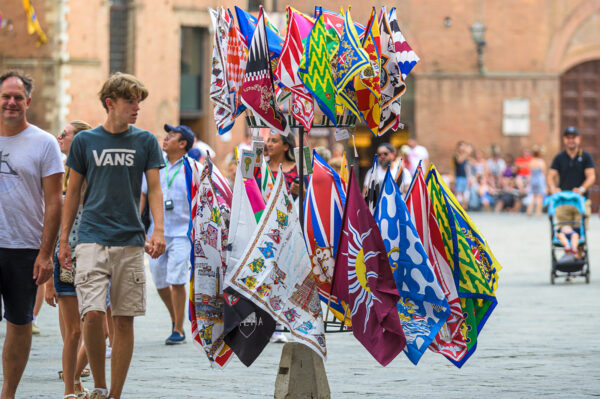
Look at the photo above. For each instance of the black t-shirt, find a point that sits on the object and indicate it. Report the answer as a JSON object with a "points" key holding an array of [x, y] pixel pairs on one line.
{"points": [[571, 171]]}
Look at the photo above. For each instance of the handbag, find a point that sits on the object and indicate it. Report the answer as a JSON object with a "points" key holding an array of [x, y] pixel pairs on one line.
{"points": [[67, 276]]}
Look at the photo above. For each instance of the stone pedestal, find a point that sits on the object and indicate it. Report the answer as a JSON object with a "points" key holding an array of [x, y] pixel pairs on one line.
{"points": [[301, 374]]}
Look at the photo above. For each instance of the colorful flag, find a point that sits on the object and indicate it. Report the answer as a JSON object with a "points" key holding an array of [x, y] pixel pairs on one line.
{"points": [[474, 267], [322, 226], [257, 89], [422, 307], [336, 21], [315, 70], [367, 84], [351, 60], [392, 85], [274, 272], [373, 186], [407, 58], [248, 23], [450, 341], [287, 72], [363, 278], [33, 24], [209, 237], [267, 180], [221, 94], [248, 328]]}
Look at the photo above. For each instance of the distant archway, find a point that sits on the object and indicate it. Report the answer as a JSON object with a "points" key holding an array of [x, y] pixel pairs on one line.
{"points": [[580, 107]]}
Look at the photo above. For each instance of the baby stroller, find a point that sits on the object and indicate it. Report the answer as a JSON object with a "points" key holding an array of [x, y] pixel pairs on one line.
{"points": [[571, 262]]}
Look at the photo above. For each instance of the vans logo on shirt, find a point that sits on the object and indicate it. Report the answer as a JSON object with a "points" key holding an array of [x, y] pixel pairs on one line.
{"points": [[114, 157]]}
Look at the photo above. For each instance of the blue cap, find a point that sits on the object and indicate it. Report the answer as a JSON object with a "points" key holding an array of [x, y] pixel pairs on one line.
{"points": [[571, 130], [185, 131], [195, 153]]}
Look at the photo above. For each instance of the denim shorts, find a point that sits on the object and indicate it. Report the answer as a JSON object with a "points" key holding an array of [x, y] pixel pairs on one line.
{"points": [[62, 289], [17, 286]]}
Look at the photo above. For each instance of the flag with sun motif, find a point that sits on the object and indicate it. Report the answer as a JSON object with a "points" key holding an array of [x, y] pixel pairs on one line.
{"points": [[450, 341], [473, 265], [257, 90], [322, 226], [274, 272], [209, 237], [392, 85], [422, 307], [363, 278]]}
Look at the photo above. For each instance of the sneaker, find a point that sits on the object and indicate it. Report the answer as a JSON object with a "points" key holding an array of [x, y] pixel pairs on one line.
{"points": [[99, 394], [278, 337], [108, 352], [35, 330], [175, 339]]}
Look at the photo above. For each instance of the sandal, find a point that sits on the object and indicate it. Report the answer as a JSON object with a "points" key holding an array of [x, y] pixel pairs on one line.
{"points": [[70, 395], [84, 393], [85, 372], [60, 374]]}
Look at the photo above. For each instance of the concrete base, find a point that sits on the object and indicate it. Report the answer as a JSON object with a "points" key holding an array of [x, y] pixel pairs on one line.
{"points": [[301, 374]]}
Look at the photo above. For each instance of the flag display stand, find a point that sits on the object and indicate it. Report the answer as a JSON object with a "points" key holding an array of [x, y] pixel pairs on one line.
{"points": [[331, 325]]}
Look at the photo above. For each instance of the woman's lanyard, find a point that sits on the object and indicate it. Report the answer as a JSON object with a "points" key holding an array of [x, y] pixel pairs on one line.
{"points": [[170, 179]]}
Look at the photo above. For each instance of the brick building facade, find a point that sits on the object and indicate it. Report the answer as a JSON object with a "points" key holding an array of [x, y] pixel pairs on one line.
{"points": [[539, 69]]}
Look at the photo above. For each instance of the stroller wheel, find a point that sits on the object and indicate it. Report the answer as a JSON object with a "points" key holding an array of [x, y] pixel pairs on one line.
{"points": [[552, 277], [587, 276]]}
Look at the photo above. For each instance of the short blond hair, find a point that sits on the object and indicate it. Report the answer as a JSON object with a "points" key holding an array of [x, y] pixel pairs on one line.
{"points": [[79, 126], [122, 85]]}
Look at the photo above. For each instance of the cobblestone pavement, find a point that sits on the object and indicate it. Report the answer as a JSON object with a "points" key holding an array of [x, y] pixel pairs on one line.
{"points": [[541, 341]]}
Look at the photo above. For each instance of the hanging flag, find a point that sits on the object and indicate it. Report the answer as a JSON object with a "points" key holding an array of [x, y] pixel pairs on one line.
{"points": [[363, 278], [221, 94], [33, 24], [287, 72], [344, 169], [474, 267], [367, 84], [257, 89], [322, 225], [449, 342], [392, 85], [372, 185], [236, 59], [248, 328], [315, 71], [336, 21], [209, 236], [267, 180], [422, 307], [274, 272], [304, 23], [248, 23], [351, 60], [407, 58]]}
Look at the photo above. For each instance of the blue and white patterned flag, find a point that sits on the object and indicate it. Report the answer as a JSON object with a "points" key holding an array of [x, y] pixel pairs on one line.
{"points": [[423, 307]]}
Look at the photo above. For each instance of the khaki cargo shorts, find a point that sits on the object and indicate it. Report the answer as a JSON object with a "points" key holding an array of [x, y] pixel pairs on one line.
{"points": [[124, 266]]}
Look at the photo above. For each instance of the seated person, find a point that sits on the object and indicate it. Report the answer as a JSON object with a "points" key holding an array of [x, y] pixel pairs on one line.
{"points": [[568, 218]]}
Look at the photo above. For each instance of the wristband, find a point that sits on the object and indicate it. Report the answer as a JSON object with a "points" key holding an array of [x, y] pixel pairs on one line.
{"points": [[582, 189]]}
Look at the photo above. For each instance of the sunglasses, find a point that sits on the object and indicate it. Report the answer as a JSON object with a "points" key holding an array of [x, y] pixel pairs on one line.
{"points": [[62, 135], [381, 154]]}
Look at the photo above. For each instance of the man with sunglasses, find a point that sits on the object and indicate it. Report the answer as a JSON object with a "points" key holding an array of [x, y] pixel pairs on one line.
{"points": [[386, 154], [573, 168], [170, 271]]}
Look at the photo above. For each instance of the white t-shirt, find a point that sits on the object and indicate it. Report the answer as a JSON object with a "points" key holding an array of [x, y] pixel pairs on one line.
{"points": [[25, 159], [379, 174], [415, 155]]}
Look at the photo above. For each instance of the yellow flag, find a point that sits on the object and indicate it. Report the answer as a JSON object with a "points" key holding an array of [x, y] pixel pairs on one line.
{"points": [[33, 25], [344, 169]]}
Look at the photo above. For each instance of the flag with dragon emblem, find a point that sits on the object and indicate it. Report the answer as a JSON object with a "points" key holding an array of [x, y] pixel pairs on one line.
{"points": [[367, 84], [474, 267], [274, 272], [363, 278], [257, 90]]}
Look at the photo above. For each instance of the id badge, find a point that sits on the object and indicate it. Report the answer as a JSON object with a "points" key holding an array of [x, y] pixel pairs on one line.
{"points": [[169, 205]]}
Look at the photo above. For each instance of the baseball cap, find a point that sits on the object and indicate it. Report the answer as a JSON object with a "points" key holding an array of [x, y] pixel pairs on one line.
{"points": [[571, 130], [185, 131]]}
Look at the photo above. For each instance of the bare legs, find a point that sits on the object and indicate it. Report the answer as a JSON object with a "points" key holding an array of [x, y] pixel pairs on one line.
{"points": [[174, 297], [122, 352], [69, 314], [17, 344]]}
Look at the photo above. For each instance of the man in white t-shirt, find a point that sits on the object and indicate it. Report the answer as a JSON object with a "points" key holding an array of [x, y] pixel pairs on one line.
{"points": [[31, 173], [386, 153], [416, 154]]}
